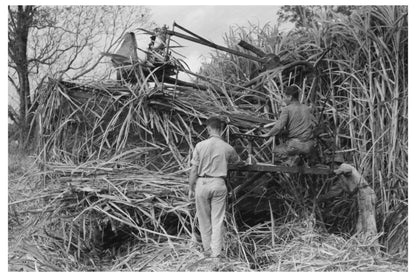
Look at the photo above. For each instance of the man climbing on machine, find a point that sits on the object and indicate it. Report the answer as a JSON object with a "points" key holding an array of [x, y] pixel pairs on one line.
{"points": [[297, 121]]}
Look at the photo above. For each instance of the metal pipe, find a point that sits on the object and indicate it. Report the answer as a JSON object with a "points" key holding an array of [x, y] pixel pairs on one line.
{"points": [[215, 46], [192, 34]]}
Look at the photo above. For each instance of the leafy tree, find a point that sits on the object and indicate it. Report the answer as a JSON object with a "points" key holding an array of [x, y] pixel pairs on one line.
{"points": [[61, 42], [305, 16]]}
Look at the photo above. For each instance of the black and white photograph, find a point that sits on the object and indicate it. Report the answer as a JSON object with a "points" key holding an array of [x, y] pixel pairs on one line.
{"points": [[212, 137]]}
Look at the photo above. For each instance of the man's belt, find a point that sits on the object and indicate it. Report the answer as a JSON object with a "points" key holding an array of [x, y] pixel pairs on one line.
{"points": [[208, 176]]}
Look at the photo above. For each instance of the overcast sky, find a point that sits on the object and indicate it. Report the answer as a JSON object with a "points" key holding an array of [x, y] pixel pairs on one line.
{"points": [[211, 23]]}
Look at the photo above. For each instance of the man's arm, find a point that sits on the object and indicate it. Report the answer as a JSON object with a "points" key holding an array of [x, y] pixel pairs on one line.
{"points": [[193, 175], [314, 119], [235, 158], [280, 124]]}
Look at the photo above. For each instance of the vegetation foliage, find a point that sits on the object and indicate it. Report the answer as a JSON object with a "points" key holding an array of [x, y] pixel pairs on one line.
{"points": [[113, 158]]}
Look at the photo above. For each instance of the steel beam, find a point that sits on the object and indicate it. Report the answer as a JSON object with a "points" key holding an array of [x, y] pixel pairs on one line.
{"points": [[282, 169]]}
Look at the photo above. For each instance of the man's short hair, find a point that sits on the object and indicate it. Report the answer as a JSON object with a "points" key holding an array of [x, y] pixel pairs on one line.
{"points": [[215, 122], [292, 91]]}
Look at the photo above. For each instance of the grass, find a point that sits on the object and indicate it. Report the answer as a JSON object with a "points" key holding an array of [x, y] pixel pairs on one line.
{"points": [[60, 228], [19, 162]]}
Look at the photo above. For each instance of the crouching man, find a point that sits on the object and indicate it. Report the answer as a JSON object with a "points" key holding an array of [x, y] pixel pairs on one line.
{"points": [[351, 181]]}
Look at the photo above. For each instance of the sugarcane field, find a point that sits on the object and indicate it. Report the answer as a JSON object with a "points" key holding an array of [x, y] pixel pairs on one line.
{"points": [[285, 150]]}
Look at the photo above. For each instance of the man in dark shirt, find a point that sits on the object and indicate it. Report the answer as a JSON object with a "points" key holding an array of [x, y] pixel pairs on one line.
{"points": [[298, 122]]}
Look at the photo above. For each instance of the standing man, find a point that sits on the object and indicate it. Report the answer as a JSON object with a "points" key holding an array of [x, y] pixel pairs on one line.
{"points": [[209, 162], [298, 122]]}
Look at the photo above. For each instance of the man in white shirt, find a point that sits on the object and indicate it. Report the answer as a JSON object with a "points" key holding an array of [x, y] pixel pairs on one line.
{"points": [[209, 162]]}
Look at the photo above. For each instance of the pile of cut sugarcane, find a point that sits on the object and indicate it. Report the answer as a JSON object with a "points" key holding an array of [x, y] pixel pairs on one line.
{"points": [[110, 192]]}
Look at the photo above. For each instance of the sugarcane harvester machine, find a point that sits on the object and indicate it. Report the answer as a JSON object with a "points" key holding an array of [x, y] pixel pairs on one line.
{"points": [[160, 62], [160, 66]]}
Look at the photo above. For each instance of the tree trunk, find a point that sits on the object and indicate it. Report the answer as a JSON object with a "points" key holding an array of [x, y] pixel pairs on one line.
{"points": [[23, 21]]}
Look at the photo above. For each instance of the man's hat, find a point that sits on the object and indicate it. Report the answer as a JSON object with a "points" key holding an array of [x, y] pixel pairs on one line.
{"points": [[292, 91], [339, 158], [344, 169], [216, 122]]}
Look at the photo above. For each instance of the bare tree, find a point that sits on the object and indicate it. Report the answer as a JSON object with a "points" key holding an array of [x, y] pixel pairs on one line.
{"points": [[61, 42], [19, 25]]}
